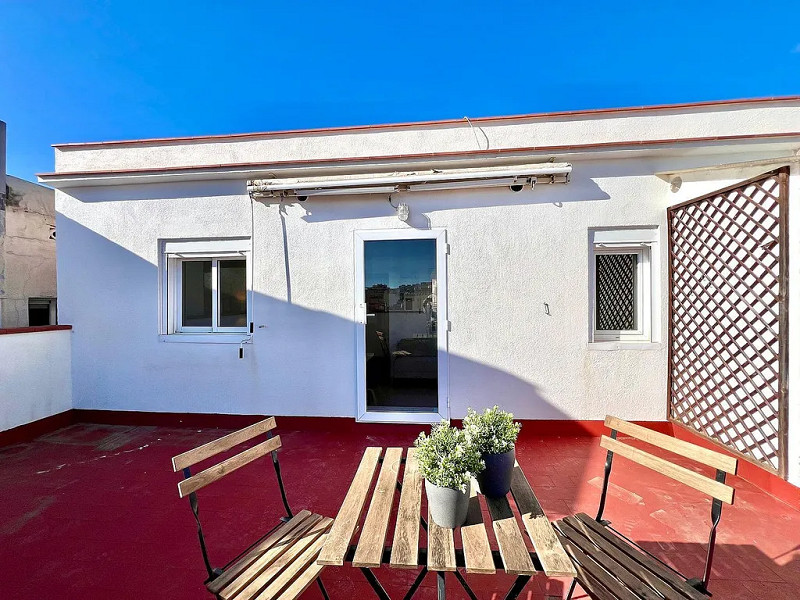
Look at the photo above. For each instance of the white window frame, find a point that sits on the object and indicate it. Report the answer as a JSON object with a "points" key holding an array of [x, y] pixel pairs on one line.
{"points": [[644, 244], [173, 254]]}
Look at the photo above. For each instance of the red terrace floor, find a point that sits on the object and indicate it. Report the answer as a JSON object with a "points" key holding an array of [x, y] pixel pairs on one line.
{"points": [[92, 512]]}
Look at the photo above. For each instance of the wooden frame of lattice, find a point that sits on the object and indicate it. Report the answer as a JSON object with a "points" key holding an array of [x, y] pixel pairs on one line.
{"points": [[728, 317]]}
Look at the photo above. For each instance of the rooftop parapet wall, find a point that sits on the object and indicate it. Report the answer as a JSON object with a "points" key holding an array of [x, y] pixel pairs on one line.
{"points": [[35, 374], [635, 126]]}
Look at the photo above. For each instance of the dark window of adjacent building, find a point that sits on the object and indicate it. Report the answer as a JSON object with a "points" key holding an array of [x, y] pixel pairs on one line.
{"points": [[41, 311]]}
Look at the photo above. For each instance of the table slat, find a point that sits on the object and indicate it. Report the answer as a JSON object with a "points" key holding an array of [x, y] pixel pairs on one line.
{"points": [[346, 521], [370, 543], [405, 544], [516, 559], [551, 553], [477, 552], [441, 549]]}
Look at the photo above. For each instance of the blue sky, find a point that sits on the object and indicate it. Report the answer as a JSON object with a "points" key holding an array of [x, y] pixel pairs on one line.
{"points": [[87, 71]]}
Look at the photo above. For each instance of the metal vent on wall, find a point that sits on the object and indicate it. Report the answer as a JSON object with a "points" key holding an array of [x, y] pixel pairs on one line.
{"points": [[615, 292], [729, 315]]}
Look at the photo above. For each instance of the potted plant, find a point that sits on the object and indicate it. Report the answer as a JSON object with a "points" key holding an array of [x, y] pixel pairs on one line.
{"points": [[493, 433], [447, 461]]}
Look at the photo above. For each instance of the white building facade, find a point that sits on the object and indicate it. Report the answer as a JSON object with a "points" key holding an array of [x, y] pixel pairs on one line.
{"points": [[482, 296]]}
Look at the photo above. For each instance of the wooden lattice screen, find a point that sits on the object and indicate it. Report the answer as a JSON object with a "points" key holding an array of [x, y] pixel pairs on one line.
{"points": [[729, 316]]}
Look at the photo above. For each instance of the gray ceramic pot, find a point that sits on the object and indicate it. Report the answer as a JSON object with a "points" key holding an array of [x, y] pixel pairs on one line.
{"points": [[495, 479], [448, 506]]}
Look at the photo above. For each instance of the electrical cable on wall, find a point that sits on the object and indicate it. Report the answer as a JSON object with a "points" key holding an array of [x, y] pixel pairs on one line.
{"points": [[474, 132]]}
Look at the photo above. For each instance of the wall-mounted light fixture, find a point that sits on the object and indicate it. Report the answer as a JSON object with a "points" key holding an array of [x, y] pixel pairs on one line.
{"points": [[403, 211]]}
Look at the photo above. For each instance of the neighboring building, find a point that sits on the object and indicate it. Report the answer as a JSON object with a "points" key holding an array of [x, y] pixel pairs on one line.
{"points": [[405, 272], [27, 250]]}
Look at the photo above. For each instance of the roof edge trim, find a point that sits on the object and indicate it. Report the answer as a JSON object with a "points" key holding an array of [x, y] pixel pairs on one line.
{"points": [[412, 124], [633, 145]]}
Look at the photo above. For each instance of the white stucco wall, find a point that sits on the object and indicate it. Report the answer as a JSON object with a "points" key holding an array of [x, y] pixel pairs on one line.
{"points": [[510, 254], [35, 376]]}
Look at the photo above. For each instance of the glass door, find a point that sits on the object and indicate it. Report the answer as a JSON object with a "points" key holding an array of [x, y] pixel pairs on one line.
{"points": [[402, 352]]}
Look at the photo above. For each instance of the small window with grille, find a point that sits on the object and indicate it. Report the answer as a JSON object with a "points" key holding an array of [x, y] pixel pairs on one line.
{"points": [[621, 293]]}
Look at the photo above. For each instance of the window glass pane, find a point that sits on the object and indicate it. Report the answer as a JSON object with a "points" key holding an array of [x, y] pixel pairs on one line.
{"points": [[196, 293], [401, 330], [615, 293], [232, 293]]}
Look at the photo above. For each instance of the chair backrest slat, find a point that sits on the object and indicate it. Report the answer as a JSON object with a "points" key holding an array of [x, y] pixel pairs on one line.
{"points": [[191, 457], [713, 488], [708, 457], [212, 474]]}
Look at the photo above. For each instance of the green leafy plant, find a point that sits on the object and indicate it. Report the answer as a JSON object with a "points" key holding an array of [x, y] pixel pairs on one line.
{"points": [[446, 458], [493, 431]]}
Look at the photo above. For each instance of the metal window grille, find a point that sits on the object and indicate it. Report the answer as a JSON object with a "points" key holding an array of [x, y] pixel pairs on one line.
{"points": [[615, 292], [729, 316]]}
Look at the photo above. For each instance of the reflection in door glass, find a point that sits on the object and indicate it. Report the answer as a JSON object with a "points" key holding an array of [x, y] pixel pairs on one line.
{"points": [[401, 327]]}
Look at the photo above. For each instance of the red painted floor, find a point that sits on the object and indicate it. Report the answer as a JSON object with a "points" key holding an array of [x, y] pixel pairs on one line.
{"points": [[92, 511]]}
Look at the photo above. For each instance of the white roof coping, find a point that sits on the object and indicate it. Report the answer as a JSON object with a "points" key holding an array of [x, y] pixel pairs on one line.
{"points": [[711, 127]]}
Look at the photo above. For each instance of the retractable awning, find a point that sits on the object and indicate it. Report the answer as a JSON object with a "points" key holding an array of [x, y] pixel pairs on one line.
{"points": [[515, 177]]}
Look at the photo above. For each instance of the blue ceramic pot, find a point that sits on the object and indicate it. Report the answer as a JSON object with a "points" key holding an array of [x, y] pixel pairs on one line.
{"points": [[495, 479]]}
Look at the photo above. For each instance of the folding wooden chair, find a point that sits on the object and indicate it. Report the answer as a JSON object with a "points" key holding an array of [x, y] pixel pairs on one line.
{"points": [[280, 565], [612, 566]]}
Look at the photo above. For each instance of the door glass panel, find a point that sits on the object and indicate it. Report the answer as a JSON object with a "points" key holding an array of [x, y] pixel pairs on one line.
{"points": [[232, 293], [401, 326], [196, 297]]}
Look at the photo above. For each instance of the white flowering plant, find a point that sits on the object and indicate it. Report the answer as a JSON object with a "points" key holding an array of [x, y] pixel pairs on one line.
{"points": [[491, 432], [446, 458]]}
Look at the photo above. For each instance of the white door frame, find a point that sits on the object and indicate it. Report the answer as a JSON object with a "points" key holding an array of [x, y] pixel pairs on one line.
{"points": [[442, 325]]}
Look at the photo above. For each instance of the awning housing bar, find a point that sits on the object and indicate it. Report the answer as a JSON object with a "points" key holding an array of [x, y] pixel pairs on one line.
{"points": [[411, 181]]}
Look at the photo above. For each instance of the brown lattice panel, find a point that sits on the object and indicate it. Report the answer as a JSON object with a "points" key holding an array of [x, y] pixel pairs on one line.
{"points": [[727, 315]]}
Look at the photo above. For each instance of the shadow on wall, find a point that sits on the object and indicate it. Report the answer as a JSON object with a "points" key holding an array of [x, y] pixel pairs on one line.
{"points": [[581, 188], [302, 361], [161, 191]]}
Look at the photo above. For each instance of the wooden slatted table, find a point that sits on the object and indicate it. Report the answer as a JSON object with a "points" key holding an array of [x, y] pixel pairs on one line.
{"points": [[440, 554]]}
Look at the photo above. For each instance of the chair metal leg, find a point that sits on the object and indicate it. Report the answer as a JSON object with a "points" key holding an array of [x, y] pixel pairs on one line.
{"points": [[322, 589], [572, 589], [440, 586]]}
